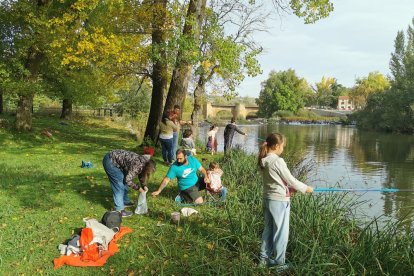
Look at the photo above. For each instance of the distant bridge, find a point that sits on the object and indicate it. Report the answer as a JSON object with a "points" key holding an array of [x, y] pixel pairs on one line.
{"points": [[239, 110]]}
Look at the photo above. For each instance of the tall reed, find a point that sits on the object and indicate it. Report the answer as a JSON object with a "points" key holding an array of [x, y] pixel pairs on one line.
{"points": [[326, 237]]}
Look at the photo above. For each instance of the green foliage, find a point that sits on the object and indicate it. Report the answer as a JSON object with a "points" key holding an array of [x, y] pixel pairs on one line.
{"points": [[374, 83], [327, 92], [133, 100], [393, 109], [311, 10], [283, 90]]}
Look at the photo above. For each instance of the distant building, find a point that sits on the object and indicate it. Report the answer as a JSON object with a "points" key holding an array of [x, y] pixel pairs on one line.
{"points": [[344, 103]]}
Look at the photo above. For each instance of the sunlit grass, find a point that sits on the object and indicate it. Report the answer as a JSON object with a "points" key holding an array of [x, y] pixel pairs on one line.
{"points": [[45, 194]]}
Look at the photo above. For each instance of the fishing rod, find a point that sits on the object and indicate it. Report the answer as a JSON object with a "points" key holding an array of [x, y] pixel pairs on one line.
{"points": [[382, 190]]}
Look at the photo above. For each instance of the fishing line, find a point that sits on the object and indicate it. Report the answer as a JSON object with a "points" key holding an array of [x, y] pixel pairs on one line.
{"points": [[383, 190]]}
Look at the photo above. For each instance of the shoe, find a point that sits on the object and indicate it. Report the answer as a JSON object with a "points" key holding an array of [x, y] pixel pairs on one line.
{"points": [[266, 262], [129, 204], [126, 214], [281, 267]]}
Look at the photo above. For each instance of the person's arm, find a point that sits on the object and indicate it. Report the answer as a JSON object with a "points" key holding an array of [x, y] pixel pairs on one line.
{"points": [[128, 179], [238, 130], [163, 184], [291, 180], [171, 124], [204, 172]]}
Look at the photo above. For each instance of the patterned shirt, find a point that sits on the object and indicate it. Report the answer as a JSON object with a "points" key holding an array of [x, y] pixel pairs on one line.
{"points": [[130, 163]]}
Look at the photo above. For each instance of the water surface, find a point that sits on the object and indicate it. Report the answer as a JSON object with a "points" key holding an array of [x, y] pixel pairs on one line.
{"points": [[349, 157]]}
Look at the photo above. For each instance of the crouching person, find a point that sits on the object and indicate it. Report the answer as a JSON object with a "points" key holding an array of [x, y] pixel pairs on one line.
{"points": [[121, 167], [185, 170]]}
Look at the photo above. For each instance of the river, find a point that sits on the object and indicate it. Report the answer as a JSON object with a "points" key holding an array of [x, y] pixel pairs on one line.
{"points": [[350, 158]]}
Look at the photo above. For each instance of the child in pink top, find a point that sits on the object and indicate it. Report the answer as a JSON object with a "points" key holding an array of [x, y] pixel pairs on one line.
{"points": [[215, 186]]}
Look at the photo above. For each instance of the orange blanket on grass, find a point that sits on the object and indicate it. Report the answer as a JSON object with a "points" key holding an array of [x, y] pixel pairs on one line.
{"points": [[75, 260]]}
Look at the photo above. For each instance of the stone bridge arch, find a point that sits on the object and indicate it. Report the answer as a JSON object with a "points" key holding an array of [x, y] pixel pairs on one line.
{"points": [[239, 110]]}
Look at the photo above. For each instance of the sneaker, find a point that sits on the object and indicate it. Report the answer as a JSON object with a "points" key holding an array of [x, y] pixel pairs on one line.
{"points": [[129, 204], [126, 214], [266, 262], [281, 267]]}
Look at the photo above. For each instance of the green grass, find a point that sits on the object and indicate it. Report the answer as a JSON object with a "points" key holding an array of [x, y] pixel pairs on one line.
{"points": [[45, 194]]}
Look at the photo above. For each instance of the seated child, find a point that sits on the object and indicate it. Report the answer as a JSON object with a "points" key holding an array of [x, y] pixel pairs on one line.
{"points": [[214, 174], [188, 143]]}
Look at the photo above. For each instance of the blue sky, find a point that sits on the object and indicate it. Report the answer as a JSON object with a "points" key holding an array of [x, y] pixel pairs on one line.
{"points": [[357, 38]]}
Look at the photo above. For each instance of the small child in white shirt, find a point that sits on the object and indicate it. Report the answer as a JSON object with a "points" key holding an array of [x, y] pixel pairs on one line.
{"points": [[215, 186]]}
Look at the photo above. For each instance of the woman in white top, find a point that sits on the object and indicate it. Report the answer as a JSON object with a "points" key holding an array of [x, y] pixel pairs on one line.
{"points": [[167, 127]]}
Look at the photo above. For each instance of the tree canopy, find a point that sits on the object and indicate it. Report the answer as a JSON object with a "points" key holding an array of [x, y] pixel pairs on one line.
{"points": [[283, 90]]}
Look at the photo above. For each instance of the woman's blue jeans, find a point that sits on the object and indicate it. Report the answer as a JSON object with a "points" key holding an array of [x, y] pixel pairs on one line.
{"points": [[276, 231], [116, 178], [167, 150]]}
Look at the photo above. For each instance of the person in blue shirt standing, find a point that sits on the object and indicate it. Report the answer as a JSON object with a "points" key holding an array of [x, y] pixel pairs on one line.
{"points": [[185, 170]]}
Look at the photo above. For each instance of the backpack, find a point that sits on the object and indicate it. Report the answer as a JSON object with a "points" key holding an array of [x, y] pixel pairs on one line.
{"points": [[112, 220]]}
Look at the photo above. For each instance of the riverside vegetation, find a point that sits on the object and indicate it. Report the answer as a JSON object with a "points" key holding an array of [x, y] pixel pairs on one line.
{"points": [[46, 194]]}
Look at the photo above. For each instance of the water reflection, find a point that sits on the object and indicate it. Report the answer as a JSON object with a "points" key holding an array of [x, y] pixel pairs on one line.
{"points": [[349, 157]]}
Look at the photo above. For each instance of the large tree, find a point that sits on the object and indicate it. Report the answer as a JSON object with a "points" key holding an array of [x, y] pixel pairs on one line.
{"points": [[374, 83], [393, 109], [283, 90]]}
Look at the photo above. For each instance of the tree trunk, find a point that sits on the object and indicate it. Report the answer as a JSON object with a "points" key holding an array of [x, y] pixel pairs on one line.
{"points": [[66, 109], [25, 102], [199, 98], [1, 102], [24, 112], [160, 70], [182, 70]]}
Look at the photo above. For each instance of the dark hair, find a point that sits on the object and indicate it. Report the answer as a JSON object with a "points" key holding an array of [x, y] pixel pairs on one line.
{"points": [[213, 165], [180, 151], [272, 140], [148, 169], [187, 133], [177, 106], [233, 120], [212, 127]]}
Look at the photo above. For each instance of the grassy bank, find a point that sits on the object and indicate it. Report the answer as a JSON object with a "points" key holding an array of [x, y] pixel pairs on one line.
{"points": [[45, 194]]}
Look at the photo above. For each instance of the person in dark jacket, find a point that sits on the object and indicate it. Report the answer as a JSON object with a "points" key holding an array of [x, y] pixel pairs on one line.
{"points": [[122, 166], [229, 131]]}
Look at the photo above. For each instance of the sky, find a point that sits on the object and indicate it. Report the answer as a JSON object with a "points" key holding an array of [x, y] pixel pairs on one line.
{"points": [[357, 38]]}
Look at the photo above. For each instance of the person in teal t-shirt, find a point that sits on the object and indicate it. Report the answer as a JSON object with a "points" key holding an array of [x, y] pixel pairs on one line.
{"points": [[185, 170]]}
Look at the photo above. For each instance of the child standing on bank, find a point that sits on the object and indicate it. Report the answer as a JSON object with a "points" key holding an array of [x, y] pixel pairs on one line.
{"points": [[211, 140], [214, 174], [188, 143], [277, 180]]}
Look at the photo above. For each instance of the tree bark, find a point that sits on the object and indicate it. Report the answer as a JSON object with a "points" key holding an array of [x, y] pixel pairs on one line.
{"points": [[182, 70], [160, 70], [66, 109], [199, 98], [24, 112], [25, 102]]}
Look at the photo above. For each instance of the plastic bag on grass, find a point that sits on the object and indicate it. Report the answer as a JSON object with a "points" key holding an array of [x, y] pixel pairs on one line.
{"points": [[142, 206]]}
